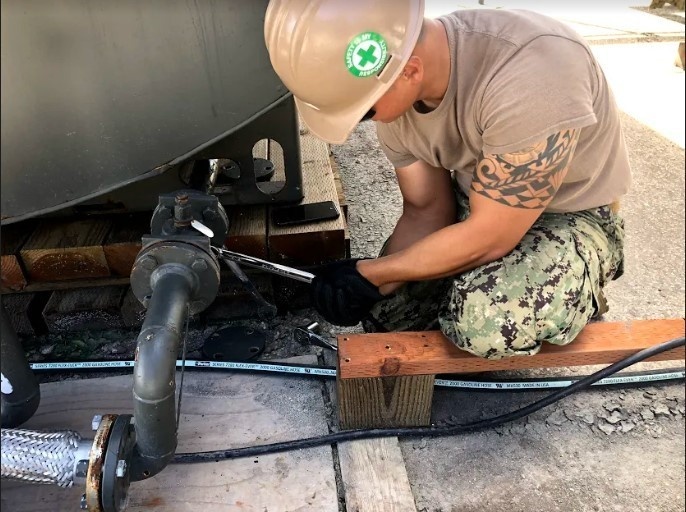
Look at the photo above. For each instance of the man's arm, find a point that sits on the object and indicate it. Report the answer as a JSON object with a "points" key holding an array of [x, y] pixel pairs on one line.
{"points": [[509, 192], [428, 204]]}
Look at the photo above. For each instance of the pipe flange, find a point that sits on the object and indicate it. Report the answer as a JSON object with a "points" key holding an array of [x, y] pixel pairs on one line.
{"points": [[95, 463], [201, 268], [116, 475]]}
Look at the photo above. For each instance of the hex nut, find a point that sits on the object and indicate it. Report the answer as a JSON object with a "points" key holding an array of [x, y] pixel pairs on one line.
{"points": [[148, 262], [121, 468], [95, 423], [199, 265]]}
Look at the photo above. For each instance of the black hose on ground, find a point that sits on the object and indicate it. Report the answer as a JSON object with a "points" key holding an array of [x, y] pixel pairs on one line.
{"points": [[352, 435]]}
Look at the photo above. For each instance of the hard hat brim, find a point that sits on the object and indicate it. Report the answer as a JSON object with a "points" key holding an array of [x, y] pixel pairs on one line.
{"points": [[334, 127]]}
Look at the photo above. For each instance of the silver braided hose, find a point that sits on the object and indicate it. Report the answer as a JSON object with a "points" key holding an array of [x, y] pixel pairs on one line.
{"points": [[40, 457]]}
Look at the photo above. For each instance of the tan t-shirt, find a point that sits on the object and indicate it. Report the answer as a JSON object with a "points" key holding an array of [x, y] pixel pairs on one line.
{"points": [[516, 78]]}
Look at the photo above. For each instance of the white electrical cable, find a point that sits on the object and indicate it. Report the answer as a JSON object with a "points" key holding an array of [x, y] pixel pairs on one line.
{"points": [[330, 372]]}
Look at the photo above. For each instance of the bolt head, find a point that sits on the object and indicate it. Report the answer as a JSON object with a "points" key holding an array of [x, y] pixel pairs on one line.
{"points": [[95, 423], [148, 262], [199, 265], [121, 468]]}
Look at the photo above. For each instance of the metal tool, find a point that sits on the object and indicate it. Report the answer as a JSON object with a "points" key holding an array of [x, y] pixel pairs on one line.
{"points": [[268, 266], [266, 309], [308, 336]]}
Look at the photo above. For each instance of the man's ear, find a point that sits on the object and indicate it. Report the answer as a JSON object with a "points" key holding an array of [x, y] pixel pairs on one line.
{"points": [[413, 70]]}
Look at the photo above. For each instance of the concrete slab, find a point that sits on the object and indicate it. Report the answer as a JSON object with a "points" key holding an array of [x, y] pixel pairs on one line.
{"points": [[607, 20], [647, 85]]}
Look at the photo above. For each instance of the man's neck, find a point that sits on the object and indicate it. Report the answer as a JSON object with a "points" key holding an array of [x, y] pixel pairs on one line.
{"points": [[434, 51]]}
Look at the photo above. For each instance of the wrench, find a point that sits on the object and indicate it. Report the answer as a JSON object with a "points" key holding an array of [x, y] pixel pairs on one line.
{"points": [[266, 309], [307, 335], [274, 268]]}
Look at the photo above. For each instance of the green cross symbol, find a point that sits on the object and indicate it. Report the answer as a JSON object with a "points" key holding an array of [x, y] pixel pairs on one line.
{"points": [[367, 56]]}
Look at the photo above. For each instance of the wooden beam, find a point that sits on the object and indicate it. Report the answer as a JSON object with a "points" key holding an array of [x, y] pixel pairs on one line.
{"points": [[123, 243], [317, 242], [62, 250], [73, 284], [248, 231], [12, 238], [431, 353]]}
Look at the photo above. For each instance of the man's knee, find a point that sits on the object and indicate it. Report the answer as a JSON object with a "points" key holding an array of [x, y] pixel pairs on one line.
{"points": [[492, 325]]}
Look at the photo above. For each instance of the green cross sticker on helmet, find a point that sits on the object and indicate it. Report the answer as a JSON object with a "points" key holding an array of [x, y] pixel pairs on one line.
{"points": [[366, 54]]}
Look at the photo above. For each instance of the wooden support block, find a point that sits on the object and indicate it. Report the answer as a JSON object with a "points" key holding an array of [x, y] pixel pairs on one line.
{"points": [[373, 368], [85, 309], [385, 401], [317, 242], [62, 250], [123, 243], [12, 238], [248, 231]]}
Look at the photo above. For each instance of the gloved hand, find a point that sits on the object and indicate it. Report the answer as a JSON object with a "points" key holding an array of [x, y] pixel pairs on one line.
{"points": [[341, 294]]}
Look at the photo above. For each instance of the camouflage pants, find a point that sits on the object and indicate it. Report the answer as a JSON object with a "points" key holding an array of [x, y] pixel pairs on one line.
{"points": [[547, 289]]}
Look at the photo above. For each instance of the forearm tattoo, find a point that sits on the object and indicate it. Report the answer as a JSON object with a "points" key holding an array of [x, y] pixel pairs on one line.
{"points": [[528, 178]]}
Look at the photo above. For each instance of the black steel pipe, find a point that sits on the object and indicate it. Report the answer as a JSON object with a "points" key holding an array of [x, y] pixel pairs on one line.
{"points": [[20, 390], [154, 382]]}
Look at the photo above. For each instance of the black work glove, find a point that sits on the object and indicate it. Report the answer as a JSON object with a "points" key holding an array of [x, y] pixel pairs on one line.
{"points": [[341, 294]]}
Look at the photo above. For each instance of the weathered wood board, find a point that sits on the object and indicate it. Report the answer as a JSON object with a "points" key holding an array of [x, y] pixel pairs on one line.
{"points": [[62, 250], [12, 237], [218, 411]]}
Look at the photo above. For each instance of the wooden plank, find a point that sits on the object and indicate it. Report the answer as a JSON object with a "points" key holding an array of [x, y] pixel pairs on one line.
{"points": [[62, 250], [87, 308], [248, 224], [317, 242], [422, 353], [373, 471], [374, 476], [217, 411], [123, 243], [74, 284], [12, 237]]}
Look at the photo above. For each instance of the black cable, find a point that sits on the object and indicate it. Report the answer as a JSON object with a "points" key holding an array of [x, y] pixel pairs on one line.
{"points": [[352, 435]]}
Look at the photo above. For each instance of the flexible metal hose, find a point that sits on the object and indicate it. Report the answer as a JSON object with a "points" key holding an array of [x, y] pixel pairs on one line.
{"points": [[40, 457]]}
